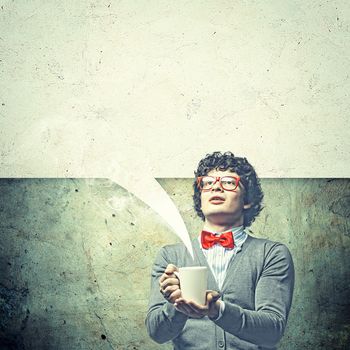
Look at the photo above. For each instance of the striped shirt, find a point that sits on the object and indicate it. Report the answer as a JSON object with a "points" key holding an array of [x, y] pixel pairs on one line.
{"points": [[219, 257]]}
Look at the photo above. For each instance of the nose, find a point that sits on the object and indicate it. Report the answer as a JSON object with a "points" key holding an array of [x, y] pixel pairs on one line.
{"points": [[217, 186]]}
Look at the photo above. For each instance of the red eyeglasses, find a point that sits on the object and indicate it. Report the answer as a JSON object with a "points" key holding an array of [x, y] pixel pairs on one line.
{"points": [[227, 183]]}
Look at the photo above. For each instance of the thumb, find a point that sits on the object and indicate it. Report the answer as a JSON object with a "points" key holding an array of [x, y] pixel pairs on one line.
{"points": [[213, 296]]}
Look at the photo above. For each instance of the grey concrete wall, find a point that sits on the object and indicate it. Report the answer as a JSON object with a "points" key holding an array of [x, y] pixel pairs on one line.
{"points": [[74, 272]]}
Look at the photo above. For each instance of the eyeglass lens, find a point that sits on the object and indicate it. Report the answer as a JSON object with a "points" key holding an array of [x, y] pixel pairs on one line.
{"points": [[227, 182]]}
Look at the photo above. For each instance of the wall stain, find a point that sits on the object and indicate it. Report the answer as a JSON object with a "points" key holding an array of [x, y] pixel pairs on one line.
{"points": [[341, 206]]}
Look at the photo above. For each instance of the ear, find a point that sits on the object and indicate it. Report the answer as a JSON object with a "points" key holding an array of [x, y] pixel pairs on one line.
{"points": [[247, 206]]}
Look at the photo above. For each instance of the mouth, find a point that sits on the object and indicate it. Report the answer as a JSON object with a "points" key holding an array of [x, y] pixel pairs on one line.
{"points": [[216, 200]]}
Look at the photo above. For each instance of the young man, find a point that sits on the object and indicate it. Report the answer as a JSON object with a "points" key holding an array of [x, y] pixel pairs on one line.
{"points": [[250, 280]]}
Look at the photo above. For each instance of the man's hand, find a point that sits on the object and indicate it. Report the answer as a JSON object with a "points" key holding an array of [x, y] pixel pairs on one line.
{"points": [[169, 284], [194, 310]]}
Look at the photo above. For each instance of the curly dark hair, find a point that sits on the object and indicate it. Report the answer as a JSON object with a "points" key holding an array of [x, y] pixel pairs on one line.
{"points": [[227, 161]]}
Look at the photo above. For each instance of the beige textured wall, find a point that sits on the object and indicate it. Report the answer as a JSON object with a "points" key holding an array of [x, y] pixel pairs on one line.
{"points": [[173, 80]]}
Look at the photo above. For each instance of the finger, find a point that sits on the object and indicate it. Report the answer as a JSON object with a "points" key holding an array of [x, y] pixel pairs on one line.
{"points": [[179, 300], [170, 269], [214, 293], [185, 309], [216, 297], [164, 276], [197, 307], [174, 296], [212, 296], [170, 289], [168, 292], [170, 295], [169, 282]]}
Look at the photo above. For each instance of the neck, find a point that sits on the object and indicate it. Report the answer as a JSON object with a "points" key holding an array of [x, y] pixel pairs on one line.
{"points": [[209, 226], [221, 223]]}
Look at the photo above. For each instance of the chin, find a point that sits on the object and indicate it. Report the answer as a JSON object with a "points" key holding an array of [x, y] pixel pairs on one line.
{"points": [[220, 218], [218, 211]]}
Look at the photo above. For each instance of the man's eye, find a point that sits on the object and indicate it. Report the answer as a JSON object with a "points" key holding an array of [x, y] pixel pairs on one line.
{"points": [[227, 182]]}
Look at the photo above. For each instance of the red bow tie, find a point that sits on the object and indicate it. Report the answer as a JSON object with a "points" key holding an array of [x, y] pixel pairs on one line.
{"points": [[208, 239]]}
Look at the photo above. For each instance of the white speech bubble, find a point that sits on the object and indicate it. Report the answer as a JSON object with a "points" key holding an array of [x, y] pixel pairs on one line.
{"points": [[146, 188], [98, 152], [136, 177]]}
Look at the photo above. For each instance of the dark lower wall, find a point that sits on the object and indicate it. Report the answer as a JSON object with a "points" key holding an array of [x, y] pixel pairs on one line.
{"points": [[74, 272]]}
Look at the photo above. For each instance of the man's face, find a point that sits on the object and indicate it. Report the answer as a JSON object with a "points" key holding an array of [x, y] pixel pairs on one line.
{"points": [[220, 206]]}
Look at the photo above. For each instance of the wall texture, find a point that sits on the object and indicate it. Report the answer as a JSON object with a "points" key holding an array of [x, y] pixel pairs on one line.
{"points": [[75, 265], [82, 80]]}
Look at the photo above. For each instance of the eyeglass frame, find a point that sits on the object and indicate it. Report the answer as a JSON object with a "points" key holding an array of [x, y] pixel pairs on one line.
{"points": [[218, 178]]}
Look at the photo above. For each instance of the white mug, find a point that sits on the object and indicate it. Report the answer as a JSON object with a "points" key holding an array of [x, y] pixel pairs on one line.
{"points": [[193, 283]]}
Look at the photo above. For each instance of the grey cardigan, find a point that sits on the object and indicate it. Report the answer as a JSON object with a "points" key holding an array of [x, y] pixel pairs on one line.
{"points": [[257, 292]]}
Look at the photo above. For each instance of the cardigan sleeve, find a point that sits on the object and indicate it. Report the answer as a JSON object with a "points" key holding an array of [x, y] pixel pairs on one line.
{"points": [[163, 321], [265, 325]]}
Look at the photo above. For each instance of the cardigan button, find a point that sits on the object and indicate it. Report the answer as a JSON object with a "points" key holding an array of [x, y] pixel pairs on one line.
{"points": [[221, 344]]}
